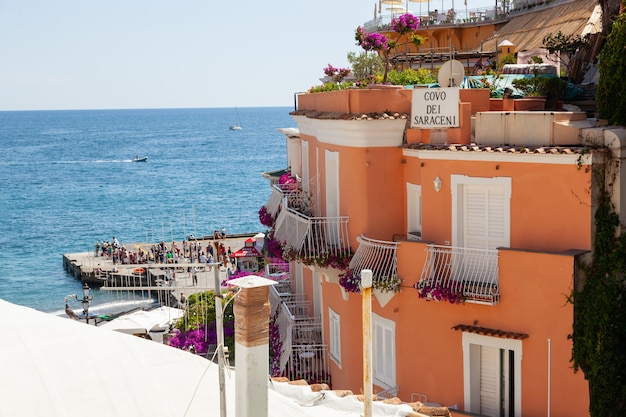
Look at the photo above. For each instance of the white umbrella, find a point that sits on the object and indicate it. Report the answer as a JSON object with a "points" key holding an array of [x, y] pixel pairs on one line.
{"points": [[164, 316], [145, 321], [134, 323]]}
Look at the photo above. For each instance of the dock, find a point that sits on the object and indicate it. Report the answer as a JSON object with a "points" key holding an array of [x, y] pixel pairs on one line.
{"points": [[164, 280]]}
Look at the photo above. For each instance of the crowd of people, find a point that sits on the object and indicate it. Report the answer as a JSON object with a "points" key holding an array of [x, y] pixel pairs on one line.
{"points": [[169, 253]]}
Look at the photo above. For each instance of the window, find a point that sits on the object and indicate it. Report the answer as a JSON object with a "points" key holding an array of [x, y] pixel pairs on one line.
{"points": [[481, 212], [335, 336], [492, 375], [414, 211], [384, 351]]}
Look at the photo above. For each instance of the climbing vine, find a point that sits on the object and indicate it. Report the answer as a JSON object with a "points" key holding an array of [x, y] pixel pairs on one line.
{"points": [[599, 334], [611, 94]]}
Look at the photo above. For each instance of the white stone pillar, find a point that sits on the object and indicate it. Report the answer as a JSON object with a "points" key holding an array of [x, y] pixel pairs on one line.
{"points": [[252, 313]]}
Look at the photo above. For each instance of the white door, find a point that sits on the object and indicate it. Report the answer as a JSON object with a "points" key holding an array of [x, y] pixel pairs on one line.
{"points": [[490, 377]]}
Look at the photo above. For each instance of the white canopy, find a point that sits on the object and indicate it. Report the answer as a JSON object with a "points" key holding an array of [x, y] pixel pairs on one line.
{"points": [[52, 366], [144, 321]]}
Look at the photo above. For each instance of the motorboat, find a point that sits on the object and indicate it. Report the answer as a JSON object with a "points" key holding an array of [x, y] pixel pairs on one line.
{"points": [[138, 159], [235, 127]]}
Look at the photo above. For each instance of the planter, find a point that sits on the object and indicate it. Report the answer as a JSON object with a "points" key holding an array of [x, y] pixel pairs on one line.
{"points": [[496, 104], [554, 105], [530, 104], [478, 97], [372, 99], [501, 104]]}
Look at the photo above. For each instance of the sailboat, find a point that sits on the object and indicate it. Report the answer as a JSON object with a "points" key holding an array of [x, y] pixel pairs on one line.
{"points": [[236, 126]]}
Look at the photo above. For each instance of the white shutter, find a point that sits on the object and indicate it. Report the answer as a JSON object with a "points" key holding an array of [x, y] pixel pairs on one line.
{"points": [[305, 166], [414, 211], [335, 336], [485, 220], [384, 351], [332, 195], [489, 381]]}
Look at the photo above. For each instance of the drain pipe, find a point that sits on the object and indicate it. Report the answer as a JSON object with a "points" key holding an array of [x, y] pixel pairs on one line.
{"points": [[252, 314], [366, 307], [549, 374], [219, 328]]}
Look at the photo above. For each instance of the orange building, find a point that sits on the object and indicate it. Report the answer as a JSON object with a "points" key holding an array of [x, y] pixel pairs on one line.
{"points": [[472, 233]]}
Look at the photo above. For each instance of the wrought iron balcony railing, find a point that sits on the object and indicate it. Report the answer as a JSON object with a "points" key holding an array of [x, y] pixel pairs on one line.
{"points": [[471, 274], [312, 237], [302, 353], [381, 258]]}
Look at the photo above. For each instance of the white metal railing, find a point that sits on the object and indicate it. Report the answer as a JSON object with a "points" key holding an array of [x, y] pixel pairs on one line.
{"points": [[277, 271], [303, 355], [312, 236], [377, 255], [273, 204], [470, 273], [430, 15]]}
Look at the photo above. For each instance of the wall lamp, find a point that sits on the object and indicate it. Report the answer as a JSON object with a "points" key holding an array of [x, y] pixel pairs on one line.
{"points": [[437, 183]]}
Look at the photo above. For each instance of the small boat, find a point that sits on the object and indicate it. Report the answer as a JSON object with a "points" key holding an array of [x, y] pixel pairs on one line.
{"points": [[138, 159], [236, 126]]}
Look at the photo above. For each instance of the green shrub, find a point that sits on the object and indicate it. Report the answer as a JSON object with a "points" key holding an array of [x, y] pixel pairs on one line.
{"points": [[411, 76], [611, 93]]}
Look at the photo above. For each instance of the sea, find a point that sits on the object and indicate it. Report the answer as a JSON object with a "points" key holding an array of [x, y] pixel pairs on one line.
{"points": [[68, 181]]}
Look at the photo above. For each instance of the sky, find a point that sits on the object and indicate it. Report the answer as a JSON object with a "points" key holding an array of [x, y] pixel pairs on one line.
{"points": [[121, 54]]}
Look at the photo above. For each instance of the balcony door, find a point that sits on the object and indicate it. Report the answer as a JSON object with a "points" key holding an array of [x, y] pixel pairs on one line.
{"points": [[492, 375], [480, 220]]}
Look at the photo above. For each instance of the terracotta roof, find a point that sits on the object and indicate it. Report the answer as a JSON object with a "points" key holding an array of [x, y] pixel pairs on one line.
{"points": [[511, 149], [490, 332], [527, 31], [419, 408], [247, 252]]}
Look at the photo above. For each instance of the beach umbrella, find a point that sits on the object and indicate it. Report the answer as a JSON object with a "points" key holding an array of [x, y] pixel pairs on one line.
{"points": [[396, 10]]}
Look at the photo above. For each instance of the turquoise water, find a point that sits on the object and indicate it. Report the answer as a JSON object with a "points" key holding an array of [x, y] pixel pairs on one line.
{"points": [[68, 181]]}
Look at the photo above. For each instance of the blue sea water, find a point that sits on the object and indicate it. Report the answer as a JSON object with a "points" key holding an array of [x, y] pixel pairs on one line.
{"points": [[67, 181]]}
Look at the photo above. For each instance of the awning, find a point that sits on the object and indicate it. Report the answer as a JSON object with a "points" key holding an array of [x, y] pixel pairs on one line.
{"points": [[247, 252]]}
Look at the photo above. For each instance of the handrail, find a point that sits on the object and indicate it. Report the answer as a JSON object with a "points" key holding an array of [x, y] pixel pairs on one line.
{"points": [[377, 255], [312, 236], [470, 273]]}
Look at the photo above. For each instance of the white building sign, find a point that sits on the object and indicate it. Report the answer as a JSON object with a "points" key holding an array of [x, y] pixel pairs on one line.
{"points": [[435, 108]]}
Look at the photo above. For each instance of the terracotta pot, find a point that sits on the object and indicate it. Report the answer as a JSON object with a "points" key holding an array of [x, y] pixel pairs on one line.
{"points": [[496, 104]]}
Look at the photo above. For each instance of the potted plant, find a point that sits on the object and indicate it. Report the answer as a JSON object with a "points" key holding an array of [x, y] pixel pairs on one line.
{"points": [[555, 91], [534, 91]]}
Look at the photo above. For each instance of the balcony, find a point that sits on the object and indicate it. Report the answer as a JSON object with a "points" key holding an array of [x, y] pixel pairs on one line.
{"points": [[302, 353], [466, 274], [381, 258], [310, 238]]}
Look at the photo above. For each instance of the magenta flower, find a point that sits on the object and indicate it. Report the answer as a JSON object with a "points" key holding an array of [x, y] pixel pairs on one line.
{"points": [[405, 23]]}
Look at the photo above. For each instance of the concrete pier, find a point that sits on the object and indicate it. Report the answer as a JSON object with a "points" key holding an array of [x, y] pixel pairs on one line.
{"points": [[163, 279]]}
